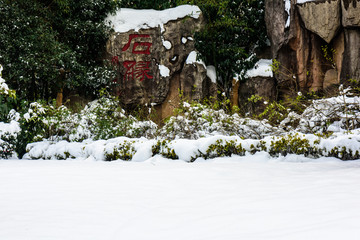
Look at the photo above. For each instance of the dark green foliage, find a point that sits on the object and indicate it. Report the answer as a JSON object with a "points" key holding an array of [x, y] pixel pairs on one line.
{"points": [[6, 104], [233, 32], [47, 45]]}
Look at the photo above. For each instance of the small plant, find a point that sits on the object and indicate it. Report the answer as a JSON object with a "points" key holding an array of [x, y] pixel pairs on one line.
{"points": [[285, 73], [274, 112], [329, 55]]}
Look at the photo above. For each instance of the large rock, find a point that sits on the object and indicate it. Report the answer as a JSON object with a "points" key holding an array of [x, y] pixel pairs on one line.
{"points": [[149, 54], [275, 24], [283, 32], [322, 18], [331, 78], [264, 87], [350, 13]]}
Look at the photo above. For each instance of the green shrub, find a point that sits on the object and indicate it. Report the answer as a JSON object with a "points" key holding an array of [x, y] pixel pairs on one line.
{"points": [[224, 149], [162, 147], [124, 151], [292, 144], [7, 145]]}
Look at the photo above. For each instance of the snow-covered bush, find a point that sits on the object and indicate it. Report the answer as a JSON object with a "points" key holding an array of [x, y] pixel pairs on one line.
{"points": [[195, 120], [104, 119], [7, 97], [4, 89], [8, 135], [340, 113], [100, 119]]}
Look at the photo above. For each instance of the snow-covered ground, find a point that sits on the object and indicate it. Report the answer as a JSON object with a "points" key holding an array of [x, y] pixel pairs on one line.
{"points": [[254, 197]]}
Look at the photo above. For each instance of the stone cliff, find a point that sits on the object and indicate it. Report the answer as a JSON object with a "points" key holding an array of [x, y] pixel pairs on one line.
{"points": [[316, 42]]}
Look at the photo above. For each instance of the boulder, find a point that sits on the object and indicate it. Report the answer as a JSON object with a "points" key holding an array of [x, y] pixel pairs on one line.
{"points": [[322, 18], [149, 54], [264, 87], [331, 78], [350, 13]]}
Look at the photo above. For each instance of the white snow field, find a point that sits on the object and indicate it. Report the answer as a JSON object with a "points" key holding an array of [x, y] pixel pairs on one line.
{"points": [[251, 197]]}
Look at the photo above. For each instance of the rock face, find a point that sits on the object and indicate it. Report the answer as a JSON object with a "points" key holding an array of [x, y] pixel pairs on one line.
{"points": [[322, 18], [320, 46], [351, 58], [264, 87], [350, 13], [151, 57]]}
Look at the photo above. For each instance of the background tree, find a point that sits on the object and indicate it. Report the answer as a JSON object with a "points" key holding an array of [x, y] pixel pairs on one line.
{"points": [[234, 30], [39, 38]]}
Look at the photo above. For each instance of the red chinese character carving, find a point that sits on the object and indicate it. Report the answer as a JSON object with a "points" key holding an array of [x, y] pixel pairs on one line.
{"points": [[136, 70], [136, 44], [115, 60]]}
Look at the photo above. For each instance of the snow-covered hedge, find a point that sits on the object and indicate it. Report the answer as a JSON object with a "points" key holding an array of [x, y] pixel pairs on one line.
{"points": [[344, 146], [196, 120]]}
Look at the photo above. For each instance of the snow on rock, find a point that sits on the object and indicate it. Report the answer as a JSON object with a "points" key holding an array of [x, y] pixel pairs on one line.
{"points": [[127, 19], [287, 9], [211, 73], [167, 45], [261, 69], [191, 59], [304, 1], [164, 71]]}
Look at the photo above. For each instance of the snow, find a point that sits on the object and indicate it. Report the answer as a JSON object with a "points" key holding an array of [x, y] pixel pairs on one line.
{"points": [[304, 1], [211, 73], [127, 19], [4, 89], [12, 128], [164, 71], [191, 59], [167, 44], [287, 9], [253, 198], [261, 69]]}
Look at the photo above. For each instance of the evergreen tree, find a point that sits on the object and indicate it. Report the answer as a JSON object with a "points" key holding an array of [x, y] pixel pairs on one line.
{"points": [[48, 45], [234, 30]]}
